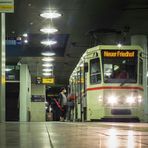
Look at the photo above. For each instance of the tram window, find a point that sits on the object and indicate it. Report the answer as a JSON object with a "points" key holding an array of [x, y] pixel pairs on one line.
{"points": [[141, 72], [95, 73], [85, 67], [120, 70]]}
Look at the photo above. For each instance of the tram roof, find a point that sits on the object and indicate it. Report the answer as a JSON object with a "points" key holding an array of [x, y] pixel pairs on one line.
{"points": [[114, 47]]}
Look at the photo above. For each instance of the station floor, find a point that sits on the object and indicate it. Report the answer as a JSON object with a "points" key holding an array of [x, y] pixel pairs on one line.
{"points": [[73, 135]]}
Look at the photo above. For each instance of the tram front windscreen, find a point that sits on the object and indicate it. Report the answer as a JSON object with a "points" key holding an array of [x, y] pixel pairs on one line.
{"points": [[119, 66]]}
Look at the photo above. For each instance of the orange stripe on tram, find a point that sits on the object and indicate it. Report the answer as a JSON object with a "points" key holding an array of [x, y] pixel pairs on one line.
{"points": [[114, 87]]}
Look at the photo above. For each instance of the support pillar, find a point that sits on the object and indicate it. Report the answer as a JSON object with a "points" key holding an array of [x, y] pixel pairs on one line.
{"points": [[2, 67], [141, 40], [25, 92]]}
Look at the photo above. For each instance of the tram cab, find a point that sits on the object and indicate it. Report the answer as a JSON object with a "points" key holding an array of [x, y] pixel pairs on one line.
{"points": [[107, 83]]}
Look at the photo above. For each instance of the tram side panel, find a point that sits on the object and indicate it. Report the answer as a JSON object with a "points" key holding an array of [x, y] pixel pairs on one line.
{"points": [[95, 107]]}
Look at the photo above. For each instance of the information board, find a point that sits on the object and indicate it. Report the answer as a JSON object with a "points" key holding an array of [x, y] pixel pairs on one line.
{"points": [[47, 80], [6, 6]]}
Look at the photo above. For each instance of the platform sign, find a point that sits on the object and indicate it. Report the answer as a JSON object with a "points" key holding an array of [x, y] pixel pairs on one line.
{"points": [[6, 6], [48, 80]]}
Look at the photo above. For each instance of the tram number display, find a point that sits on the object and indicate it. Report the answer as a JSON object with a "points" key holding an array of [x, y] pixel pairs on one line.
{"points": [[119, 53]]}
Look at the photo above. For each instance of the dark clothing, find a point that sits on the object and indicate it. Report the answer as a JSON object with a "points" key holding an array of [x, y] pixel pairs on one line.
{"points": [[60, 98], [123, 75], [55, 110], [70, 108]]}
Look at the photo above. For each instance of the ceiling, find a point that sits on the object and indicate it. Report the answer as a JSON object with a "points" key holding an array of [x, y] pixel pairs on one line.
{"points": [[84, 23]]}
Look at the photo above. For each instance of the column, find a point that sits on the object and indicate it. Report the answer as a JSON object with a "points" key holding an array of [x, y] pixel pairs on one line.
{"points": [[25, 92], [2, 67], [142, 41]]}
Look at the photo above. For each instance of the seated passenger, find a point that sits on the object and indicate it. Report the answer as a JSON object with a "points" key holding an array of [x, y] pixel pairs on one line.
{"points": [[123, 75]]}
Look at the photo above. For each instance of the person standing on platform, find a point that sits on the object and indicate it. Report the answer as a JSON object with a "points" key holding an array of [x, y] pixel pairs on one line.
{"points": [[63, 103], [70, 107]]}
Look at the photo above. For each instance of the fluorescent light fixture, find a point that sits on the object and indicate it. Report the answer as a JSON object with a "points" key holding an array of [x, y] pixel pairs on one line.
{"points": [[47, 65], [48, 30], [47, 74], [47, 70], [26, 41], [147, 74], [48, 42], [47, 59], [48, 53], [8, 69], [50, 15], [25, 35]]}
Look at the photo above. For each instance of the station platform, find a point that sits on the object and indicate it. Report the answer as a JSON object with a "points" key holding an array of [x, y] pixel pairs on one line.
{"points": [[73, 135]]}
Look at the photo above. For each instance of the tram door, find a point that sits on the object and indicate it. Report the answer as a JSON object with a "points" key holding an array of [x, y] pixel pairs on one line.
{"points": [[12, 101], [85, 93]]}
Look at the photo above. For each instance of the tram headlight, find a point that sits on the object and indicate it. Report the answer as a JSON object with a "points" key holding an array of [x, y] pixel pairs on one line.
{"points": [[112, 100], [139, 99], [130, 100]]}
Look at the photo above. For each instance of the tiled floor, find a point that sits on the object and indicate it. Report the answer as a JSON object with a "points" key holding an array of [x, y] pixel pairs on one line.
{"points": [[73, 135]]}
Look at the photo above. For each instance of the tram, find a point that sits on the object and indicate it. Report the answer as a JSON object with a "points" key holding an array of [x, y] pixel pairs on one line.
{"points": [[107, 84]]}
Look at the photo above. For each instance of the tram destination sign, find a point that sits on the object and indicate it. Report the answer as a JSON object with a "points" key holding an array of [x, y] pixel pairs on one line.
{"points": [[119, 53], [6, 6]]}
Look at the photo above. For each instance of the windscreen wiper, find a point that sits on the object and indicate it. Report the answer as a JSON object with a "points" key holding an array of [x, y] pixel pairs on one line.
{"points": [[123, 82]]}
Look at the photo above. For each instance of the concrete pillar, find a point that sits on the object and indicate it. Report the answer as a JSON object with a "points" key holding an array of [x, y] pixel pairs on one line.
{"points": [[25, 92], [2, 67], [142, 41], [38, 111]]}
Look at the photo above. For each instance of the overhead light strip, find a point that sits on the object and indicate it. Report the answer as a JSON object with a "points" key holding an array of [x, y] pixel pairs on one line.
{"points": [[48, 42], [48, 30], [50, 15]]}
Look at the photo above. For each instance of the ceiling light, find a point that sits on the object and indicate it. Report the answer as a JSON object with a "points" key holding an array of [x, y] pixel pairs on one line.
{"points": [[18, 38], [48, 53], [47, 59], [50, 15], [26, 41], [29, 4], [48, 42], [13, 32], [25, 35], [31, 23], [47, 74], [48, 30], [8, 69], [47, 65], [47, 70]]}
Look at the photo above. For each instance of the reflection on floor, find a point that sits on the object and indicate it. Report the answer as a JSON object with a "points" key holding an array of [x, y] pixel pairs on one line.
{"points": [[73, 135]]}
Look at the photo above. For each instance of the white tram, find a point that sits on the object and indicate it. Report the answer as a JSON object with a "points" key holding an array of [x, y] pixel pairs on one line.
{"points": [[107, 83]]}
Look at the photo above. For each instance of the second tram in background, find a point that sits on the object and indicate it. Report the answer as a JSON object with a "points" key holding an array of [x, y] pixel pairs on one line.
{"points": [[107, 83]]}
